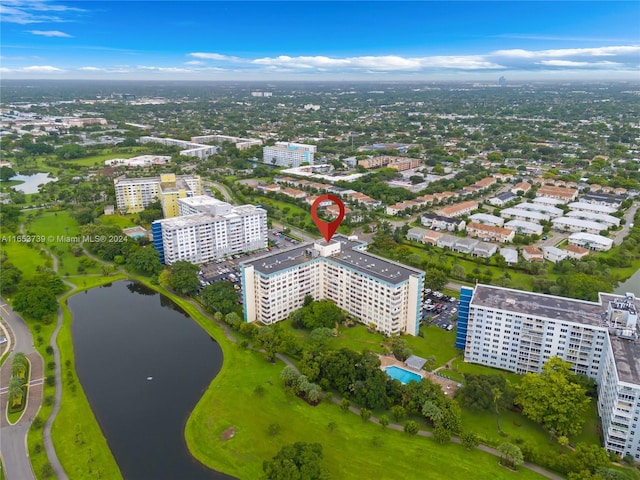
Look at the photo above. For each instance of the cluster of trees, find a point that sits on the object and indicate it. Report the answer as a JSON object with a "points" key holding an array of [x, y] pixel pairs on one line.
{"points": [[301, 385], [219, 297], [555, 398], [181, 277], [300, 461], [36, 297], [317, 314]]}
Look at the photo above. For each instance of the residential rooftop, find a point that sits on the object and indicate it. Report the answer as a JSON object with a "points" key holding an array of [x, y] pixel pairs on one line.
{"points": [[626, 350], [349, 256]]}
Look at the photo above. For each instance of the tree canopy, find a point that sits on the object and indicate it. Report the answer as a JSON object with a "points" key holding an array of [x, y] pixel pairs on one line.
{"points": [[219, 297], [553, 399], [300, 461]]}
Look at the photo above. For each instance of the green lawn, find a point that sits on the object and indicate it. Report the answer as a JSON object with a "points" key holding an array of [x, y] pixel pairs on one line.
{"points": [[230, 402], [460, 366], [61, 232], [436, 341], [514, 426], [122, 221], [25, 258]]}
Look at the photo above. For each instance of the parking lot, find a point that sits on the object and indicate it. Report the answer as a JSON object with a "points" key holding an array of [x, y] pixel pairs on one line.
{"points": [[442, 309], [228, 268]]}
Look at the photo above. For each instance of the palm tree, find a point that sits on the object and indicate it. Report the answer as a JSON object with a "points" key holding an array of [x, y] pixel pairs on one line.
{"points": [[497, 395], [16, 389]]}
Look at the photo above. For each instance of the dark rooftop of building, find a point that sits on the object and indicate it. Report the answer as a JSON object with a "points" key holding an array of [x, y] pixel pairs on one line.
{"points": [[349, 256], [626, 347]]}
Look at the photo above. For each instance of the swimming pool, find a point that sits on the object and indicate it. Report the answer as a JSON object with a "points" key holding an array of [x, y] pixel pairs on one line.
{"points": [[404, 376]]}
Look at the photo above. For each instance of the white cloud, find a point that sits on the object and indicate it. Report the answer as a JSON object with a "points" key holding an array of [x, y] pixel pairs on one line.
{"points": [[51, 33], [570, 52], [574, 64], [195, 62], [382, 63], [215, 56], [25, 12], [92, 69], [41, 69], [164, 69]]}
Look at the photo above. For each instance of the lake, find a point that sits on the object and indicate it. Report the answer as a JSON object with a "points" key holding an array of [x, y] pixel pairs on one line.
{"points": [[631, 284], [31, 182], [143, 364]]}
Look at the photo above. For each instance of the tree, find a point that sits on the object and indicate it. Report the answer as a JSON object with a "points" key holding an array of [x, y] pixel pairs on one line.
{"points": [[35, 302], [587, 457], [219, 296], [296, 462], [144, 261], [398, 412], [365, 414], [432, 412], [16, 388], [553, 399], [289, 376], [10, 277], [345, 404], [435, 278], [384, 421], [269, 340], [184, 278], [152, 212], [469, 440], [441, 434], [510, 455], [400, 348], [411, 428], [6, 173]]}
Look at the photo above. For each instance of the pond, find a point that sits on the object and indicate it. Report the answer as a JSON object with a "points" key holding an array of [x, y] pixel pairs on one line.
{"points": [[143, 364], [631, 285], [31, 182]]}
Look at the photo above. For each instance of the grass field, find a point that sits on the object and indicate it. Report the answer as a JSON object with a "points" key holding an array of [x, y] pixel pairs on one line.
{"points": [[350, 450], [25, 258], [61, 232], [122, 221], [437, 342]]}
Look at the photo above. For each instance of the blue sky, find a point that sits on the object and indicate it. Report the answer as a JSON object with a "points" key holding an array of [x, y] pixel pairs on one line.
{"points": [[309, 40]]}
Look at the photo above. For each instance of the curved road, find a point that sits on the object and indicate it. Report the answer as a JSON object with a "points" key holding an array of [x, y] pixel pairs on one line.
{"points": [[14, 437]]}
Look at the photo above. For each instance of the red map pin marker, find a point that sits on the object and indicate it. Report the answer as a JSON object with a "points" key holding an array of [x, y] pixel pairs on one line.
{"points": [[327, 228]]}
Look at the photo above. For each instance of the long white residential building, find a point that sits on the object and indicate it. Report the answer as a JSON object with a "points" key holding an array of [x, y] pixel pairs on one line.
{"points": [[573, 224], [286, 154], [591, 241], [591, 207], [190, 149], [540, 207], [240, 143], [609, 220], [520, 331], [209, 229], [375, 290]]}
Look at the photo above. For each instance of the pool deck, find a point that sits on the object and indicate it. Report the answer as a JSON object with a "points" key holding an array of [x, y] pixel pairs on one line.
{"points": [[448, 386]]}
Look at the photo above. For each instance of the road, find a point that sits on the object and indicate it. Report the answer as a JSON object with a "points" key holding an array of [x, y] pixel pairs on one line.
{"points": [[14, 437], [628, 217], [222, 189]]}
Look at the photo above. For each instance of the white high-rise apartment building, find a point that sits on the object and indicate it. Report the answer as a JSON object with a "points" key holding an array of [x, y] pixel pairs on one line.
{"points": [[377, 291], [520, 331], [209, 229], [286, 154]]}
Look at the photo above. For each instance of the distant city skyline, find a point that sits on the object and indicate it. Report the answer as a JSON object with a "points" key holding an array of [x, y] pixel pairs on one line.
{"points": [[310, 40]]}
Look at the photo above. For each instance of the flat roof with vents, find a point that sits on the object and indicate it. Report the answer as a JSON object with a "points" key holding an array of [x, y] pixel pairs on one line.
{"points": [[349, 256]]}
